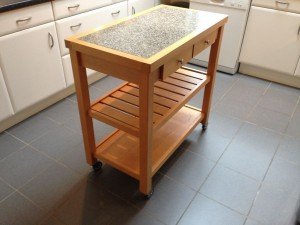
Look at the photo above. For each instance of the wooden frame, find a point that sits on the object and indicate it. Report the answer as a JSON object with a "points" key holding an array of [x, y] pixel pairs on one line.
{"points": [[149, 111]]}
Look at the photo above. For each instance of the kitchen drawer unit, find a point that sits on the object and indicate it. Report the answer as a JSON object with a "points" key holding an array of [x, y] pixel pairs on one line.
{"points": [[24, 18], [86, 21], [65, 8], [283, 5]]}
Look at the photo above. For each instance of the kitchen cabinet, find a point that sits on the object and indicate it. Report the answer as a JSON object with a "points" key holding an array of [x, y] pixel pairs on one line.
{"points": [[31, 65], [272, 40], [297, 72], [5, 105], [135, 6]]}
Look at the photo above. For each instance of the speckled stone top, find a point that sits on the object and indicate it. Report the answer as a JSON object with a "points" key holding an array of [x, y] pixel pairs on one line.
{"points": [[149, 33]]}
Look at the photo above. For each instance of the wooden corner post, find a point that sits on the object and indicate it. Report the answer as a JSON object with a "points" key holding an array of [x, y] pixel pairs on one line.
{"points": [[211, 73], [146, 132], [83, 98]]}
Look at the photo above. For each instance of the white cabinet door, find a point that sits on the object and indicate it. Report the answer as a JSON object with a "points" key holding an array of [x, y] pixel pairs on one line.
{"points": [[5, 105], [86, 21], [135, 6], [297, 72], [272, 40], [31, 65]]}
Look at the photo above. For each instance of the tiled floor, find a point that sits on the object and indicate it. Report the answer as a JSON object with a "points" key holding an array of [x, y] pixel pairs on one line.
{"points": [[243, 170]]}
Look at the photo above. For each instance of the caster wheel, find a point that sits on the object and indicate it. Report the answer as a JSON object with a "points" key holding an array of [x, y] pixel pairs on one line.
{"points": [[204, 126], [97, 166], [148, 196]]}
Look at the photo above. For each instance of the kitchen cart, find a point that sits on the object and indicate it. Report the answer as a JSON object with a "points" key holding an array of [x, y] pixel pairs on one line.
{"points": [[147, 51]]}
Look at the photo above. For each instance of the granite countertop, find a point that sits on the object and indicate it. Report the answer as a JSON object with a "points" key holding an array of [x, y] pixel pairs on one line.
{"points": [[149, 33], [7, 5]]}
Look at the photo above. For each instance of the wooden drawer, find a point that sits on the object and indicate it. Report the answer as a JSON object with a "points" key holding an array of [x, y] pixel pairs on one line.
{"points": [[65, 8], [284, 5], [204, 43], [24, 18], [86, 21], [176, 62]]}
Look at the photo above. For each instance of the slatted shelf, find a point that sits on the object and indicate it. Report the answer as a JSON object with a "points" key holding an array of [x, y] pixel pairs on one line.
{"points": [[121, 149], [120, 108]]}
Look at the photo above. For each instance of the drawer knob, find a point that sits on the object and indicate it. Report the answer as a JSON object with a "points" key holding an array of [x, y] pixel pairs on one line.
{"points": [[181, 61], [207, 42]]}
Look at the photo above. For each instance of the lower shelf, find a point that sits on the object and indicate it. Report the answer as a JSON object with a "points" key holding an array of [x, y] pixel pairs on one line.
{"points": [[121, 150]]}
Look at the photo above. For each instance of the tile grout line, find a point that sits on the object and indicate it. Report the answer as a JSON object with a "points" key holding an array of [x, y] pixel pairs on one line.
{"points": [[293, 113]]}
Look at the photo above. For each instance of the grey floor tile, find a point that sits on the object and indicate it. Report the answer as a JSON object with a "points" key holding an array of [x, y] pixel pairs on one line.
{"points": [[51, 187], [169, 201], [205, 211], [94, 94], [197, 100], [21, 166], [189, 169], [107, 83], [58, 142], [286, 89], [274, 207], [285, 176], [5, 190], [252, 222], [101, 130], [279, 101], [17, 210], [294, 125], [224, 82], [259, 84], [246, 160], [289, 150], [231, 189], [8, 145], [76, 160], [234, 108], [224, 125], [270, 119], [208, 144], [62, 111], [32, 128]]}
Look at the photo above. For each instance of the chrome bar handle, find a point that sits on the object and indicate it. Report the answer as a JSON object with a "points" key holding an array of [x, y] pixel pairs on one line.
{"points": [[73, 7], [51, 40], [115, 13], [24, 19], [298, 30], [282, 2], [133, 10], [75, 26]]}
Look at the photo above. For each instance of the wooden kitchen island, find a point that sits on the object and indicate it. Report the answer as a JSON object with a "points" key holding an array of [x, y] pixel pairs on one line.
{"points": [[148, 51]]}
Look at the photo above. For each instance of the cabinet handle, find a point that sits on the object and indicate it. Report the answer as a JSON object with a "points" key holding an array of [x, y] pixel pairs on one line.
{"points": [[24, 19], [73, 7], [133, 10], [74, 26], [115, 13], [51, 40], [282, 2], [299, 31], [181, 61]]}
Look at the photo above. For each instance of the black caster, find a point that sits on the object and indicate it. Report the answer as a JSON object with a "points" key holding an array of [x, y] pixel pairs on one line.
{"points": [[148, 196], [204, 126], [97, 166]]}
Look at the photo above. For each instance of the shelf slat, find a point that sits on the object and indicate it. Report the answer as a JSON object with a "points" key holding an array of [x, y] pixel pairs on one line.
{"points": [[121, 107], [121, 150]]}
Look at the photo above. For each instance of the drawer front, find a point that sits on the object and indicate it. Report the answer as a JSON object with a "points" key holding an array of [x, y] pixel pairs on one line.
{"points": [[86, 21], [24, 18], [176, 62], [65, 8], [204, 43], [285, 5], [69, 72]]}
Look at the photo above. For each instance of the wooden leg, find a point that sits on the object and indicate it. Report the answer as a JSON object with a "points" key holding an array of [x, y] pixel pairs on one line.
{"points": [[83, 98], [211, 72], [146, 133]]}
